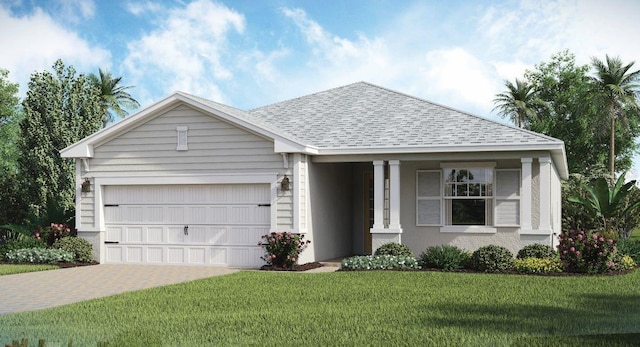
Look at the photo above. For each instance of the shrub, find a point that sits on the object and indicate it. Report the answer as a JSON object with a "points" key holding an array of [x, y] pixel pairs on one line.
{"points": [[380, 262], [491, 258], [282, 249], [622, 262], [629, 247], [39, 255], [536, 250], [82, 249], [393, 249], [532, 265], [54, 232], [25, 242], [444, 257], [581, 252]]}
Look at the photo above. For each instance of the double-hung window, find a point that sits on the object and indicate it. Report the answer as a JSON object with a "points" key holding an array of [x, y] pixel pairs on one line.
{"points": [[468, 195]]}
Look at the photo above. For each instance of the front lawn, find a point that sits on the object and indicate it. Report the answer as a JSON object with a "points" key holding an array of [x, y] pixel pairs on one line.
{"points": [[351, 308], [10, 269]]}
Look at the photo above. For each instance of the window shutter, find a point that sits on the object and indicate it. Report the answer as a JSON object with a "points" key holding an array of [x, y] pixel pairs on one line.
{"points": [[429, 201], [507, 198]]}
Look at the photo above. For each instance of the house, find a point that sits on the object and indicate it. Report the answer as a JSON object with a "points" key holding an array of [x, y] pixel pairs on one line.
{"points": [[191, 181]]}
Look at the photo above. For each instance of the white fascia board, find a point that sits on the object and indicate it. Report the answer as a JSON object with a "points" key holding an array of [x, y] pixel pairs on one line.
{"points": [[282, 145], [440, 149], [556, 148]]}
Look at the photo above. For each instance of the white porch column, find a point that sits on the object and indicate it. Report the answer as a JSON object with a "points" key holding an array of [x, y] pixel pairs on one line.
{"points": [[545, 193], [378, 194], [525, 195], [394, 196]]}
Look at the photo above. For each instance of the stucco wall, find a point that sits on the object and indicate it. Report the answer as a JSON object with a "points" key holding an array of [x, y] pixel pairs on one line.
{"points": [[331, 211], [419, 238]]}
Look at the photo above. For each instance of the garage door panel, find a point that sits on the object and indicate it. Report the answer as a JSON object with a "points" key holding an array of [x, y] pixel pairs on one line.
{"points": [[114, 233], [225, 224], [244, 256], [218, 256], [197, 256], [175, 234], [175, 255], [155, 255], [155, 234], [134, 254], [180, 194]]}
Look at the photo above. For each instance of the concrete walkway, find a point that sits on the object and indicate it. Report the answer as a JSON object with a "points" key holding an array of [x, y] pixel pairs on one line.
{"points": [[44, 289]]}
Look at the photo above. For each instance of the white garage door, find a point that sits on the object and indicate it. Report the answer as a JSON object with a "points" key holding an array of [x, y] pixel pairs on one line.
{"points": [[186, 224]]}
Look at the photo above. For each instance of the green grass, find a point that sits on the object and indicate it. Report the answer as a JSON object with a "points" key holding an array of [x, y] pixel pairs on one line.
{"points": [[10, 269], [351, 308]]}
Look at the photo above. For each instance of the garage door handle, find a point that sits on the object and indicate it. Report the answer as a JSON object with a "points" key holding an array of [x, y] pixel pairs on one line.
{"points": [[111, 242], [264, 205], [186, 230]]}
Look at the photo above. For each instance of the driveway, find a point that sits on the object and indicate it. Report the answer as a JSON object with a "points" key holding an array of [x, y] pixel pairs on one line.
{"points": [[44, 289]]}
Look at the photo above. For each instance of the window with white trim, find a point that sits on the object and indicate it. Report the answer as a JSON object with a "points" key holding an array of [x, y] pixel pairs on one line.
{"points": [[181, 138], [468, 196]]}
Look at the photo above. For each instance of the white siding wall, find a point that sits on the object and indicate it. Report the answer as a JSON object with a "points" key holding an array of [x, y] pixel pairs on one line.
{"points": [[86, 201], [214, 146], [285, 207]]}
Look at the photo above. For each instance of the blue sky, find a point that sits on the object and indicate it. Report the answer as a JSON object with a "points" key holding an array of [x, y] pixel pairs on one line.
{"points": [[252, 53]]}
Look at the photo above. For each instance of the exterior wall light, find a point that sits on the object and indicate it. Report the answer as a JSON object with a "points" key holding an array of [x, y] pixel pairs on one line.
{"points": [[86, 186], [284, 184]]}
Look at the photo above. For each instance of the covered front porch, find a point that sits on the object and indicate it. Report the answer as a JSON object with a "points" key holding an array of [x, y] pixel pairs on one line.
{"points": [[356, 206]]}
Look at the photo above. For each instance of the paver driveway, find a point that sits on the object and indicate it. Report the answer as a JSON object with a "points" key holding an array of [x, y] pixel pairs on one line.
{"points": [[44, 289]]}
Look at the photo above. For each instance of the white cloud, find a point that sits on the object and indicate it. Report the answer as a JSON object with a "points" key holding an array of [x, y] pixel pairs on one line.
{"points": [[456, 77], [139, 8], [75, 10], [34, 42], [188, 51]]}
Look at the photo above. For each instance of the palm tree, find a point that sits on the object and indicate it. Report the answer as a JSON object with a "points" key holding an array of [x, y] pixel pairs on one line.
{"points": [[619, 88], [115, 98], [517, 102]]}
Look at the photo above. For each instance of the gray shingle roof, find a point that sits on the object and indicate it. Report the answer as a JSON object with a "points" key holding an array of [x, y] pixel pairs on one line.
{"points": [[365, 115]]}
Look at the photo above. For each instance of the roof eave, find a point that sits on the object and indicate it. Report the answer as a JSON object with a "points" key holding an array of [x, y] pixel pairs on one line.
{"points": [[555, 148]]}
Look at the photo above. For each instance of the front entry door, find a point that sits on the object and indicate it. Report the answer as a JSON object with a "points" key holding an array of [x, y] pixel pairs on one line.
{"points": [[368, 211]]}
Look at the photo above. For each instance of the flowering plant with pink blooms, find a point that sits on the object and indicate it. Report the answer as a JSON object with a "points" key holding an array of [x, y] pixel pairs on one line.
{"points": [[581, 251], [52, 233], [282, 249]]}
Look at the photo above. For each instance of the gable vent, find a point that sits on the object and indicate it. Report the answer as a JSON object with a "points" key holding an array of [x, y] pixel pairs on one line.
{"points": [[183, 143]]}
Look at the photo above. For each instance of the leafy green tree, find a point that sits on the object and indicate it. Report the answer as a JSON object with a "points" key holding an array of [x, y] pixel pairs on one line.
{"points": [[571, 113], [619, 87], [115, 98], [60, 109], [9, 118], [11, 207], [518, 102], [608, 202]]}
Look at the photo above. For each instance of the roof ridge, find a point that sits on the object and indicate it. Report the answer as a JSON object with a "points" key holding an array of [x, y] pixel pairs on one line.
{"points": [[463, 112], [308, 95]]}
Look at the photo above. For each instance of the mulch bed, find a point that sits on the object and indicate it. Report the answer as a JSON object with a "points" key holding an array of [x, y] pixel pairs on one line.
{"points": [[301, 267]]}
